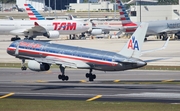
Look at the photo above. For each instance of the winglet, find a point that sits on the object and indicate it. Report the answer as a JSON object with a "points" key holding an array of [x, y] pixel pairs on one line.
{"points": [[134, 45], [36, 24]]}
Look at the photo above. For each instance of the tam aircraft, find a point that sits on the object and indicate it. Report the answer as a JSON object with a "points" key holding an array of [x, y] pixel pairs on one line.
{"points": [[160, 27], [48, 28], [41, 55], [93, 28]]}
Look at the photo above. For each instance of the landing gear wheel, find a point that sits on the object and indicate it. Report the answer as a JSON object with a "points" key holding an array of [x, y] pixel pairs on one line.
{"points": [[24, 68], [59, 76], [90, 75], [87, 75], [63, 77], [15, 38]]}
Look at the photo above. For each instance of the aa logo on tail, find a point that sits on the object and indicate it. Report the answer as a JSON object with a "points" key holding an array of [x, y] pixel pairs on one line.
{"points": [[133, 44]]}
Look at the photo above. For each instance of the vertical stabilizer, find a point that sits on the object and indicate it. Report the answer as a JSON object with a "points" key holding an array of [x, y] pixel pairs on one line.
{"points": [[32, 13], [129, 26], [134, 45]]}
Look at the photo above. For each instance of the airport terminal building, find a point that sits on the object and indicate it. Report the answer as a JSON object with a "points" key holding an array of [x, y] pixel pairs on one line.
{"points": [[39, 4], [147, 11]]}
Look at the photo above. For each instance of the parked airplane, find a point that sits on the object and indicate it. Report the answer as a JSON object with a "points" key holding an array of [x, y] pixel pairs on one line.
{"points": [[47, 28], [160, 27], [94, 30], [42, 55], [97, 29]]}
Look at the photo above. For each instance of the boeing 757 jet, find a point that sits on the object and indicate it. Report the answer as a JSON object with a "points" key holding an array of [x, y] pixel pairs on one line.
{"points": [[41, 55]]}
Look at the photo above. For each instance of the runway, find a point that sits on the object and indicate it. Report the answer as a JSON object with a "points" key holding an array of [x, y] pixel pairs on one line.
{"points": [[45, 85]]}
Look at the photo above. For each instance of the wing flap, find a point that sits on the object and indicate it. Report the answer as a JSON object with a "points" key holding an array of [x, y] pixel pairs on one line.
{"points": [[64, 62]]}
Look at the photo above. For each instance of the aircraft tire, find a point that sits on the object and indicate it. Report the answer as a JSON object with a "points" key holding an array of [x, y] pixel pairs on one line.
{"points": [[59, 76], [87, 75], [91, 79], [23, 68], [93, 76], [13, 39]]}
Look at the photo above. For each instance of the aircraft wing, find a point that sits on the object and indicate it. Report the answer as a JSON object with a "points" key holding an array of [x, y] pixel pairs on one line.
{"points": [[64, 62], [170, 30], [37, 28], [105, 28], [152, 50]]}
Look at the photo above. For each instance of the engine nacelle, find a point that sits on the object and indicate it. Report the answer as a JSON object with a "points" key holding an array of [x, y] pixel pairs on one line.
{"points": [[96, 32], [36, 66], [52, 34]]}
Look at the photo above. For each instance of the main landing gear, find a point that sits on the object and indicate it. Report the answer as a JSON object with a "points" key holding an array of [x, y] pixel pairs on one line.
{"points": [[15, 38], [90, 75], [62, 77], [28, 38], [23, 67]]}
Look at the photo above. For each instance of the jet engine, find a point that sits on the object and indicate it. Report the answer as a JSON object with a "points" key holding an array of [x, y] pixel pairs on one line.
{"points": [[96, 32], [52, 34], [36, 66]]}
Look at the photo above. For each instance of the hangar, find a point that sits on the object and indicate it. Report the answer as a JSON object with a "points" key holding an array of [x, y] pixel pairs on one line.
{"points": [[39, 4]]}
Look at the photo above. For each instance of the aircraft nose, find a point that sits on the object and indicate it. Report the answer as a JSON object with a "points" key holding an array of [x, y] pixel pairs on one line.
{"points": [[10, 51]]}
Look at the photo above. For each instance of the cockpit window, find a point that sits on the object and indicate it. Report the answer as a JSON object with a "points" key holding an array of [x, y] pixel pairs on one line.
{"points": [[14, 44]]}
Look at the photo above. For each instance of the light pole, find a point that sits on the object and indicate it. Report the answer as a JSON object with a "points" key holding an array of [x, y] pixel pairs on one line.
{"points": [[88, 10], [115, 9], [55, 9], [140, 11]]}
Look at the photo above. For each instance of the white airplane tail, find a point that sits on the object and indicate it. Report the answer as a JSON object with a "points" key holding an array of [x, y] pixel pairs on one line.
{"points": [[134, 45]]}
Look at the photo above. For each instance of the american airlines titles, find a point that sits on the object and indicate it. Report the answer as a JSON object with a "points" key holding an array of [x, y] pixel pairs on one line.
{"points": [[32, 45], [173, 25]]}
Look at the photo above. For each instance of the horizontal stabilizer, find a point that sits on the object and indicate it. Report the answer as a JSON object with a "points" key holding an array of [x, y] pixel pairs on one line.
{"points": [[152, 50]]}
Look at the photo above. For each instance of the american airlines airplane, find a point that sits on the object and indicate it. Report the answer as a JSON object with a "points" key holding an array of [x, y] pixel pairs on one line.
{"points": [[41, 55], [160, 27]]}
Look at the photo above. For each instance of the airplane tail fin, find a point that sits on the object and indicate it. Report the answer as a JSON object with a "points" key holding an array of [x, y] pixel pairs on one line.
{"points": [[124, 18], [32, 13], [134, 45]]}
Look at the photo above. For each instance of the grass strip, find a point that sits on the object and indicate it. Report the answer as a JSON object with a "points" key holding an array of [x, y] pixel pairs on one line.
{"points": [[73, 105]]}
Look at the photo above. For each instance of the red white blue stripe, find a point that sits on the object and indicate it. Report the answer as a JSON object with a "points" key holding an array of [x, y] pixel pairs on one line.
{"points": [[63, 56], [32, 13]]}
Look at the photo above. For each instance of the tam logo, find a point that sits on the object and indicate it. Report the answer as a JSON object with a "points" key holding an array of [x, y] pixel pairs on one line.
{"points": [[64, 26], [133, 44]]}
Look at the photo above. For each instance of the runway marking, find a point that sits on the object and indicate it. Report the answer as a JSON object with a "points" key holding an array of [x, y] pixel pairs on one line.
{"points": [[170, 80], [7, 95], [41, 81], [83, 81], [116, 81], [93, 98]]}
